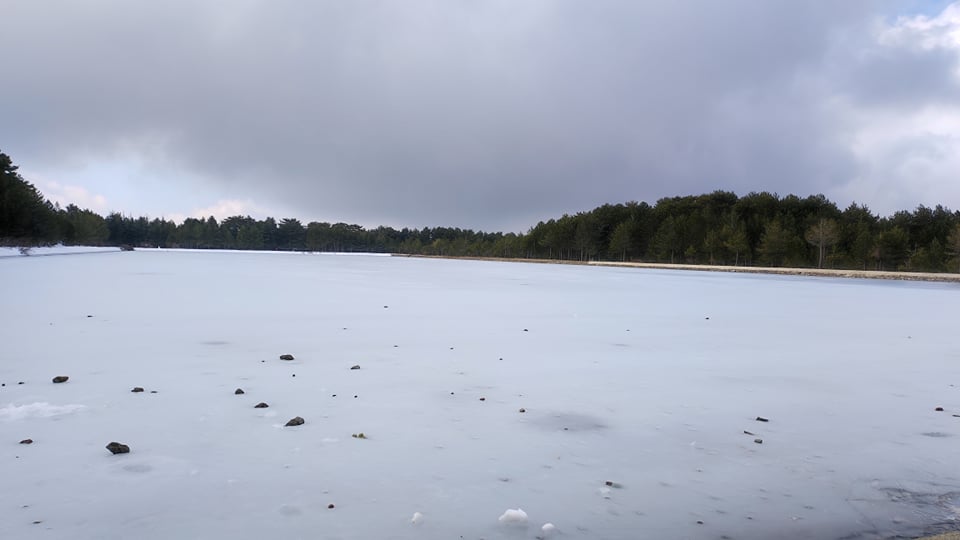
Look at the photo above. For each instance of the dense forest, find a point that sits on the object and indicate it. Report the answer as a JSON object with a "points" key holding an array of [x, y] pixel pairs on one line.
{"points": [[715, 228]]}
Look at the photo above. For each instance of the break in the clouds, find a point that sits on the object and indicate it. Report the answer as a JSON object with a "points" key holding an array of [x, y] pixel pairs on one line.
{"points": [[488, 115]]}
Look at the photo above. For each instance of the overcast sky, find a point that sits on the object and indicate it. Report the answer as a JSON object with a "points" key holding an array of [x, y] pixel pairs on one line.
{"points": [[483, 114]]}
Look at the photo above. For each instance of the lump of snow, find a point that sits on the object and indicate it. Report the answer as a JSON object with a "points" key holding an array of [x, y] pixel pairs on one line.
{"points": [[417, 518], [548, 529], [514, 517]]}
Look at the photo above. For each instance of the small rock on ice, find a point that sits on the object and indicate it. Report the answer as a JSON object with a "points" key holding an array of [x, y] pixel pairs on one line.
{"points": [[514, 517], [118, 448], [417, 518]]}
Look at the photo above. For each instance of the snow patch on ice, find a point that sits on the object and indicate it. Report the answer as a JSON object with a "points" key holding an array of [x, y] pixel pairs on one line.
{"points": [[13, 412]]}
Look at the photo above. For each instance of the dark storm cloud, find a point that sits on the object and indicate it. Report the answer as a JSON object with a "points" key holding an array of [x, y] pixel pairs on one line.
{"points": [[476, 114]]}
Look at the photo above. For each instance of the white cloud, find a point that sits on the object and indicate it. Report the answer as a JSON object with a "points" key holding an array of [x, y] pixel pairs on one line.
{"points": [[66, 194], [222, 209], [941, 31], [908, 150]]}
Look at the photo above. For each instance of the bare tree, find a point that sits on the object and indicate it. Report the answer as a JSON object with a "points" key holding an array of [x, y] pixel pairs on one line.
{"points": [[822, 234]]}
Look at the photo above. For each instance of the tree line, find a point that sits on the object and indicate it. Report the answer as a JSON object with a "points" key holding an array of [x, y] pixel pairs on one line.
{"points": [[715, 228]]}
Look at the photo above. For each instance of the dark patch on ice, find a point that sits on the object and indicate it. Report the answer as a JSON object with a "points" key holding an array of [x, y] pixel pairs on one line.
{"points": [[290, 511], [214, 342], [930, 513], [936, 434], [568, 421], [138, 468], [620, 344]]}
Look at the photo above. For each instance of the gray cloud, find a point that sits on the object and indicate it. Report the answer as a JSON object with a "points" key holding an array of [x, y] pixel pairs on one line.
{"points": [[474, 114]]}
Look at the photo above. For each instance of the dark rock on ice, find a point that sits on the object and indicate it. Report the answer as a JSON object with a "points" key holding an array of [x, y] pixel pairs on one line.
{"points": [[356, 366], [762, 419], [238, 391], [137, 389], [260, 405], [938, 409], [295, 421], [26, 441], [286, 357], [758, 441], [59, 379], [118, 448]]}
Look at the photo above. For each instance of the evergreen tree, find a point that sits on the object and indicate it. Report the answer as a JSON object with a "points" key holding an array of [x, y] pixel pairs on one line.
{"points": [[26, 217]]}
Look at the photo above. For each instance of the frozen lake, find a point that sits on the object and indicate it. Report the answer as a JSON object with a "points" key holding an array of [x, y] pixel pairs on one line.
{"points": [[646, 379]]}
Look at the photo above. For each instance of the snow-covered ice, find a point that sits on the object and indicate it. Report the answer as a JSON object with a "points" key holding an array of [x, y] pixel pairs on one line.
{"points": [[641, 390]]}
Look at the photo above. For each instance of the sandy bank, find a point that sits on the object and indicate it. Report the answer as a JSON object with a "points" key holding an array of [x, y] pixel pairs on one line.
{"points": [[858, 274]]}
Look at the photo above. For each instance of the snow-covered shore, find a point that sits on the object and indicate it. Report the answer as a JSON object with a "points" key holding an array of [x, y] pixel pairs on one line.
{"points": [[53, 250]]}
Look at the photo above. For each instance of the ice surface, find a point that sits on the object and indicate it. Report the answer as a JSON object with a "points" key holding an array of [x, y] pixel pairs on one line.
{"points": [[636, 403]]}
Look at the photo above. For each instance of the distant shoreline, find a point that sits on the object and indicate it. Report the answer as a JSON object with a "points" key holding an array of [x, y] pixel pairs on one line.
{"points": [[816, 272]]}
